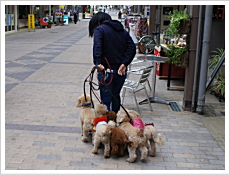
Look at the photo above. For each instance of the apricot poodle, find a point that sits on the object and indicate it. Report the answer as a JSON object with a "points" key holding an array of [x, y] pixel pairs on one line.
{"points": [[152, 138], [87, 115], [102, 130], [135, 135]]}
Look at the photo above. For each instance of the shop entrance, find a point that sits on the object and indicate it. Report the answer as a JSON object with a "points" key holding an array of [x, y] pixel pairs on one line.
{"points": [[9, 18]]}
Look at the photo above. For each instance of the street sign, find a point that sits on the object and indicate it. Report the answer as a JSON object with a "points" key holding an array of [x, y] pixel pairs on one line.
{"points": [[43, 21], [31, 23]]}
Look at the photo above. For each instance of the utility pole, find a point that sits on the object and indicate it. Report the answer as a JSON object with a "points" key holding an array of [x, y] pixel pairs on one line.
{"points": [[204, 58]]}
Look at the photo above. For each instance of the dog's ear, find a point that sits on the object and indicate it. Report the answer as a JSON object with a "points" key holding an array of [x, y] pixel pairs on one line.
{"points": [[78, 103]]}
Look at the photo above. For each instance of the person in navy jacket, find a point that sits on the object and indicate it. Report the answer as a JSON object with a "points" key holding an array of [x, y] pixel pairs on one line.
{"points": [[113, 51]]}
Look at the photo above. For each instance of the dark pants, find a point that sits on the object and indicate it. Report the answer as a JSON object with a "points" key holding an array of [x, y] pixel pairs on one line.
{"points": [[115, 88]]}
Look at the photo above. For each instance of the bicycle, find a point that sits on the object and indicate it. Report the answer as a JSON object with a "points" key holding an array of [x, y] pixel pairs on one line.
{"points": [[147, 43]]}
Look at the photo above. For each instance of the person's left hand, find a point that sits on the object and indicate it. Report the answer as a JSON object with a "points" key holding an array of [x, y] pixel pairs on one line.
{"points": [[121, 70]]}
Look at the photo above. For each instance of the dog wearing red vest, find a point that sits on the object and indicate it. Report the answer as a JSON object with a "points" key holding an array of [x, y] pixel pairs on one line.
{"points": [[102, 129]]}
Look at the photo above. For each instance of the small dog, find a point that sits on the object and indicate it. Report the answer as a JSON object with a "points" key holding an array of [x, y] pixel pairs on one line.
{"points": [[111, 115], [135, 135], [118, 139], [87, 114], [103, 130], [149, 132]]}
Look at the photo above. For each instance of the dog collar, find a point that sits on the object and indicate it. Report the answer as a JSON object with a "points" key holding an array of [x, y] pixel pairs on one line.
{"points": [[86, 104]]}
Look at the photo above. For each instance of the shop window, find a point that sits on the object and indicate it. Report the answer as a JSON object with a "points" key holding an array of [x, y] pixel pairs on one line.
{"points": [[24, 10]]}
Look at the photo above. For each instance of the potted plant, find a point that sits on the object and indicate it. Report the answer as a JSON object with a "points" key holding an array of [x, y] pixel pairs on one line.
{"points": [[219, 87], [179, 23], [215, 58], [177, 55], [219, 83], [62, 22], [50, 23]]}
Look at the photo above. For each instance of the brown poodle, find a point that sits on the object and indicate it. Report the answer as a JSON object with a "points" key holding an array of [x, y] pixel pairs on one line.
{"points": [[118, 139], [111, 115]]}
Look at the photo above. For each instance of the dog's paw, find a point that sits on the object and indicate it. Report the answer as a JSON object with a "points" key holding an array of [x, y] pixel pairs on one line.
{"points": [[84, 139], [130, 160], [106, 156], [94, 151]]}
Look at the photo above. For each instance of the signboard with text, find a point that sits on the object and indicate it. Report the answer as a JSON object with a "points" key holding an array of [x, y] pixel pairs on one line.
{"points": [[31, 23]]}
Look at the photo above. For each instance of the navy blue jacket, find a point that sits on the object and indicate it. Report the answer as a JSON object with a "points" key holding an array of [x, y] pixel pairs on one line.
{"points": [[113, 42]]}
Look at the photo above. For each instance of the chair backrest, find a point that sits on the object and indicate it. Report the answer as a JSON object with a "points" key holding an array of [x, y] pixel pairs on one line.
{"points": [[145, 74]]}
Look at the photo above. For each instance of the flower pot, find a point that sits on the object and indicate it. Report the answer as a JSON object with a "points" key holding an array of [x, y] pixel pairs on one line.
{"points": [[49, 25]]}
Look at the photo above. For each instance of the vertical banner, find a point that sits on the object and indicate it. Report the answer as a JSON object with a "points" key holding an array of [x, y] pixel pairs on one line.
{"points": [[66, 18], [31, 24], [9, 19], [12, 19]]}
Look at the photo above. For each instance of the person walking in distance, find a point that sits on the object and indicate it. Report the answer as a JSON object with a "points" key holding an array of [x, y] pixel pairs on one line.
{"points": [[75, 18], [113, 51]]}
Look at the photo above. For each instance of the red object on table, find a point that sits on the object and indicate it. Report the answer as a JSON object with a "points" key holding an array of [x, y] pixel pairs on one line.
{"points": [[162, 68]]}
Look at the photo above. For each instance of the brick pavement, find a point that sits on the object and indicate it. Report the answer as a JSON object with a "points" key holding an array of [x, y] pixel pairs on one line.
{"points": [[45, 71]]}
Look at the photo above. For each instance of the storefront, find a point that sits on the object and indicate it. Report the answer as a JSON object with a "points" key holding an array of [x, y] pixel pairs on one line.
{"points": [[10, 16]]}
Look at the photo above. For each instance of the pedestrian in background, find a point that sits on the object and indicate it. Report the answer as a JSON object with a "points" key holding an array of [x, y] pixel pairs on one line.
{"points": [[75, 18], [112, 48], [119, 14]]}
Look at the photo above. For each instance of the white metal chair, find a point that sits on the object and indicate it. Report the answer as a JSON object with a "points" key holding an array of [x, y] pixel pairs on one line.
{"points": [[138, 70], [136, 86]]}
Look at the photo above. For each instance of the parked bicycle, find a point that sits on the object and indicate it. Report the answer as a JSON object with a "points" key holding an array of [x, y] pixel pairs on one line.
{"points": [[147, 43]]}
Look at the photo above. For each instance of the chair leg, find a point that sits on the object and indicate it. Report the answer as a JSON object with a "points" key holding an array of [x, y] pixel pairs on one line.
{"points": [[149, 85], [136, 103], [123, 95], [150, 106]]}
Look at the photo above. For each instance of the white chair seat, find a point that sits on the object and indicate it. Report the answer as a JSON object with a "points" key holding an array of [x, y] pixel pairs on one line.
{"points": [[136, 86]]}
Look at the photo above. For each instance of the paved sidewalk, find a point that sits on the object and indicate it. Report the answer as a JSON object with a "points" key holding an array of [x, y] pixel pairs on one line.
{"points": [[45, 71]]}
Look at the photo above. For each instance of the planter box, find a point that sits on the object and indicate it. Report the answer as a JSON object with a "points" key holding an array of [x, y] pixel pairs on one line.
{"points": [[176, 72]]}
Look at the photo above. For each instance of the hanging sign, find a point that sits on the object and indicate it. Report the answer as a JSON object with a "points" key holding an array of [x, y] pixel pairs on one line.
{"points": [[31, 23]]}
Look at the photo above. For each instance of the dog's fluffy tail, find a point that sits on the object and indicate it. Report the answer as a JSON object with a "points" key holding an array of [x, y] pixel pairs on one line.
{"points": [[160, 139]]}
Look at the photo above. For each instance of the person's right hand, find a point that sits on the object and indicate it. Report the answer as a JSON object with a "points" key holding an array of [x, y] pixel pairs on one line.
{"points": [[100, 67]]}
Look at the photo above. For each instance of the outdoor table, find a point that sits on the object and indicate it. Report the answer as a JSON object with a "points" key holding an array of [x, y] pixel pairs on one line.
{"points": [[154, 59]]}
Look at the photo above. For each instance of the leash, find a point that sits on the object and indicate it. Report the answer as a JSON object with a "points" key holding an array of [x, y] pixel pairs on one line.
{"points": [[102, 81], [91, 85]]}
